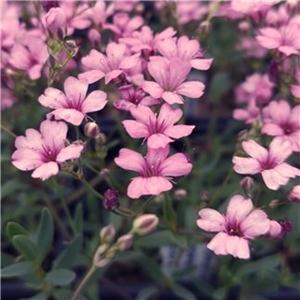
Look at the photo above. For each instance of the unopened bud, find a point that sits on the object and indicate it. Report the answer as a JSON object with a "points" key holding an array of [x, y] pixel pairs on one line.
{"points": [[145, 224], [107, 233], [91, 129], [159, 198], [124, 242], [274, 203], [47, 5], [101, 138], [247, 183], [56, 23], [111, 199], [104, 172], [103, 255], [94, 37], [294, 194], [180, 194]]}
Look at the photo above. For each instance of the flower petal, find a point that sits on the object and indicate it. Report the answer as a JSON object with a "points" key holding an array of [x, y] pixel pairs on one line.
{"points": [[136, 129], [238, 208], [130, 160], [210, 220], [46, 170], [71, 152], [245, 165], [192, 89], [176, 165], [69, 115], [95, 101], [255, 150]]}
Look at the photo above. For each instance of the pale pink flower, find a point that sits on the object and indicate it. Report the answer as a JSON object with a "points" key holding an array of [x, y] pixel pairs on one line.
{"points": [[186, 50], [275, 230], [295, 90], [155, 170], [131, 97], [123, 25], [285, 39], [270, 163], [44, 151], [278, 17], [73, 106], [99, 13], [145, 40], [169, 77], [252, 47], [280, 120], [188, 11], [240, 224], [158, 130], [7, 98], [30, 57], [256, 86], [294, 194], [249, 114], [109, 66], [56, 23]]}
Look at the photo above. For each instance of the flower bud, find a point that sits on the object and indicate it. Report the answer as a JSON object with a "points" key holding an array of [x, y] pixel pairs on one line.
{"points": [[294, 194], [160, 198], [56, 22], [47, 5], [94, 37], [111, 199], [124, 242], [247, 183], [91, 129], [104, 172], [145, 224], [180, 194], [101, 138], [274, 203], [107, 233], [103, 255]]}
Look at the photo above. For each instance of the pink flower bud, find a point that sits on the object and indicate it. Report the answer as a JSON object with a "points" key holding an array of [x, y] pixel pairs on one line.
{"points": [[94, 37], [107, 233], [91, 129], [294, 194], [111, 199], [124, 242], [56, 22], [103, 255], [101, 138], [180, 194], [247, 183], [145, 224]]}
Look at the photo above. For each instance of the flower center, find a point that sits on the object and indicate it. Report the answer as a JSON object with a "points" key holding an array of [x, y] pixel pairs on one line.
{"points": [[268, 164], [233, 229]]}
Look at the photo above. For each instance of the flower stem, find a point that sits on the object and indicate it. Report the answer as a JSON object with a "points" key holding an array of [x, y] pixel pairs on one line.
{"points": [[91, 189], [84, 281], [8, 131], [142, 208]]}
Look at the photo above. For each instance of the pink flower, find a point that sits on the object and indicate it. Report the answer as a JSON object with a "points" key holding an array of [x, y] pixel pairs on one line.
{"points": [[7, 98], [145, 40], [285, 39], [294, 194], [169, 77], [295, 90], [270, 163], [111, 66], [248, 115], [30, 57], [189, 11], [56, 22], [99, 13], [123, 25], [240, 224], [252, 47], [44, 151], [280, 120], [256, 86], [155, 170], [186, 50], [72, 106], [131, 97], [159, 131]]}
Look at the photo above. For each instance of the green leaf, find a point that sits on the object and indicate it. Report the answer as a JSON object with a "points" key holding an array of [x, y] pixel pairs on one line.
{"points": [[169, 213], [39, 296], [45, 234], [180, 240], [59, 277], [146, 293], [11, 186], [157, 239], [13, 228], [68, 256], [183, 293], [18, 269], [26, 247], [67, 294], [78, 219]]}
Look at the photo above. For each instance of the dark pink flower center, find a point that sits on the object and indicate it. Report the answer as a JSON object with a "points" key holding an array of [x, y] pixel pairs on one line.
{"points": [[232, 228], [288, 128], [156, 126], [151, 169], [268, 164]]}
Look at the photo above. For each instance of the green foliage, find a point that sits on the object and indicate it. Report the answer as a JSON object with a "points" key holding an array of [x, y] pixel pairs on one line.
{"points": [[26, 247], [60, 277], [18, 269]]}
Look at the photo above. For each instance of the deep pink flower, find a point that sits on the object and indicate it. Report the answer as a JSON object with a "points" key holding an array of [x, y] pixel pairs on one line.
{"points": [[123, 25], [155, 170], [158, 130], [186, 50], [44, 151], [131, 97], [240, 224], [169, 77], [270, 163], [285, 39], [109, 66], [248, 115], [30, 57], [145, 40], [280, 120], [72, 106]]}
